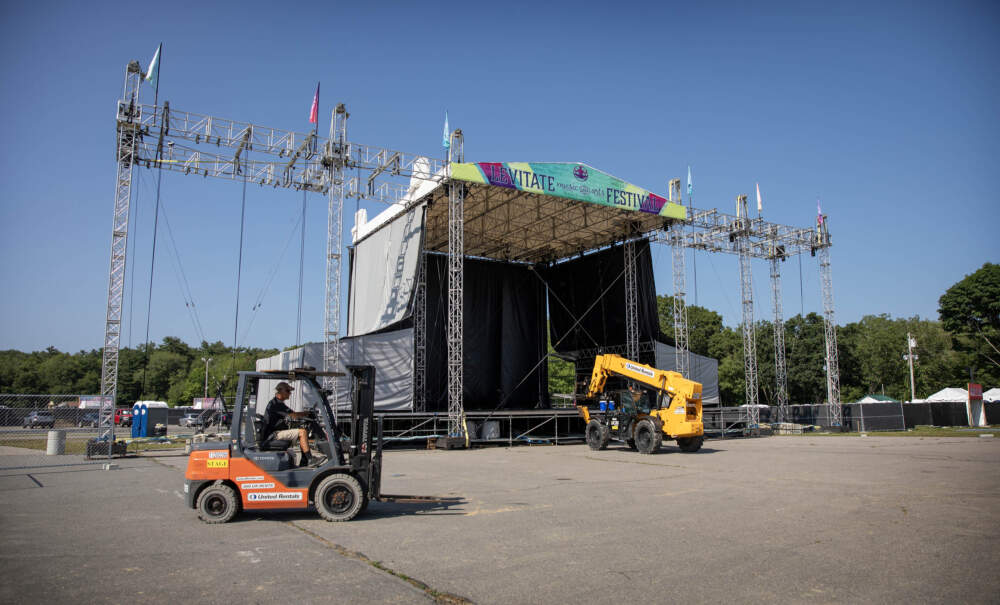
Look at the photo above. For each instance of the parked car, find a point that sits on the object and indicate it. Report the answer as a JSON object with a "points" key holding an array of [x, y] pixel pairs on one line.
{"points": [[89, 419], [191, 419], [39, 419], [123, 417]]}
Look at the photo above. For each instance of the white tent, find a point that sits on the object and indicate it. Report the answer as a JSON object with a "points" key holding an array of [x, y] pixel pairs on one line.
{"points": [[992, 394], [949, 394]]}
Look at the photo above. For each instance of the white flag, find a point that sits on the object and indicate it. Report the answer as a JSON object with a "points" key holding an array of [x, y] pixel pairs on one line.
{"points": [[758, 199]]}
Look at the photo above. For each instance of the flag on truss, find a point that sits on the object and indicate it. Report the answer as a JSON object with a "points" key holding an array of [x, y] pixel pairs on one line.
{"points": [[689, 180], [445, 142], [153, 73], [314, 111], [759, 205], [819, 214]]}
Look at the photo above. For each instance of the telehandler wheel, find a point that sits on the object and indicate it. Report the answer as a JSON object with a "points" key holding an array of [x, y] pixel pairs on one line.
{"points": [[217, 504], [690, 444], [339, 497], [597, 435], [631, 444], [647, 437]]}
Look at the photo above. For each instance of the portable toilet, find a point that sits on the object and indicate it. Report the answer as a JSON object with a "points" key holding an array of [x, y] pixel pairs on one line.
{"points": [[136, 413], [143, 419]]}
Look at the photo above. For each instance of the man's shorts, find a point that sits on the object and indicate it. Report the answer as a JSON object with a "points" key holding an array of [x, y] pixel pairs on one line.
{"points": [[287, 435]]}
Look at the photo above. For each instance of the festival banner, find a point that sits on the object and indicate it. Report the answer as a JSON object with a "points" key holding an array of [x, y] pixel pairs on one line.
{"points": [[574, 181]]}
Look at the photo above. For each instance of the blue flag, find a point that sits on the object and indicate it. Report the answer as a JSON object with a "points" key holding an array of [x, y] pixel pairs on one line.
{"points": [[689, 180], [445, 142]]}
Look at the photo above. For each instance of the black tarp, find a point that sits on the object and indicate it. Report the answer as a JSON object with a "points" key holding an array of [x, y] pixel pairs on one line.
{"points": [[592, 289], [917, 414], [504, 326], [874, 416], [949, 413], [992, 412]]}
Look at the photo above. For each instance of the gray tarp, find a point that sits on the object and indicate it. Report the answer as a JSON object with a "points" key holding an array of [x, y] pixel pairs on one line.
{"points": [[391, 353], [703, 369], [382, 273]]}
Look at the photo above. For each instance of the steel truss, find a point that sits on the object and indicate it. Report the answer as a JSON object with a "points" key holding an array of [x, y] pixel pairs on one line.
{"points": [[161, 137], [830, 328], [781, 381], [420, 337], [127, 127], [741, 238], [334, 154], [631, 302], [456, 286]]}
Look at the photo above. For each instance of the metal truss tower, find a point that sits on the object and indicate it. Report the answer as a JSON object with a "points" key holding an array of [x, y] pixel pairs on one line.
{"points": [[334, 157], [743, 245], [832, 362], [456, 286], [420, 337], [631, 302], [682, 356], [127, 126], [781, 386]]}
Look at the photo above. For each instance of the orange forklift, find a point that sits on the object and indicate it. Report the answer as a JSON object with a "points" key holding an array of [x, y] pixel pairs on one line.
{"points": [[249, 472]]}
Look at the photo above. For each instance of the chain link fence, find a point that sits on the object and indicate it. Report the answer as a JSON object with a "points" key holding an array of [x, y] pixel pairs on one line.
{"points": [[26, 419]]}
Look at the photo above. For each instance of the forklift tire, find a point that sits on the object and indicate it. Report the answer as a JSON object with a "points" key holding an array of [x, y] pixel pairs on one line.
{"points": [[339, 497], [217, 504], [647, 437], [690, 444], [597, 435]]}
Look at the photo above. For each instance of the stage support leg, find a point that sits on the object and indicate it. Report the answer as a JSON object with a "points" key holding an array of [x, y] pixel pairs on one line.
{"points": [[681, 352], [337, 153], [742, 242], [128, 121], [631, 303], [780, 374], [456, 259], [832, 362]]}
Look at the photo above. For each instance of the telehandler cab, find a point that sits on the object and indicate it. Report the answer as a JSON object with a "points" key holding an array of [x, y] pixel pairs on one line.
{"points": [[669, 406], [249, 472]]}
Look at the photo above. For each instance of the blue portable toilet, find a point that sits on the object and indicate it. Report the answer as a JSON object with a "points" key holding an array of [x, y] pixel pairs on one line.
{"points": [[143, 420], [136, 411]]}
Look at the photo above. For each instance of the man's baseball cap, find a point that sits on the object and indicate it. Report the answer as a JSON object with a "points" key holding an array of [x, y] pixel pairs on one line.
{"points": [[284, 386]]}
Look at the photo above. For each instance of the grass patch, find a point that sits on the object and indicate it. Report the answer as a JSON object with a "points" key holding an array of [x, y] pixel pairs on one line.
{"points": [[79, 445]]}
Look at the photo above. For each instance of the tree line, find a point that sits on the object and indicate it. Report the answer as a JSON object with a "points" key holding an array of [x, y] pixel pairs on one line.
{"points": [[965, 338], [871, 351], [171, 371]]}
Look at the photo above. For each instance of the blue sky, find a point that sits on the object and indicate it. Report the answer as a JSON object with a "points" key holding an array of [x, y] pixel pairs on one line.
{"points": [[886, 112]]}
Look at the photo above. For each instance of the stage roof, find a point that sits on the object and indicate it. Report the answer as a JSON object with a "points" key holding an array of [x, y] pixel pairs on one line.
{"points": [[534, 212]]}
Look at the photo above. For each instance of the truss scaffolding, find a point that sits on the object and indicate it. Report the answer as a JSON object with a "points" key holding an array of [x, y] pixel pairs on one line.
{"points": [[462, 219]]}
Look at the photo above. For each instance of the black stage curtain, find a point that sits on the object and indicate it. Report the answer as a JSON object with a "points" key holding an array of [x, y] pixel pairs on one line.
{"points": [[578, 284], [504, 326]]}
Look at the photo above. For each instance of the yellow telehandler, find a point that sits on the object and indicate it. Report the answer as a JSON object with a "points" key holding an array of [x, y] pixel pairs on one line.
{"points": [[658, 404]]}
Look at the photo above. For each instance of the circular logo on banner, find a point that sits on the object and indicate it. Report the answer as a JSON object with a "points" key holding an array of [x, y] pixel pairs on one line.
{"points": [[580, 173]]}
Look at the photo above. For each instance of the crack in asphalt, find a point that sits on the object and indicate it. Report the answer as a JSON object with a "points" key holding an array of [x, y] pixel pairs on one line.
{"points": [[439, 597]]}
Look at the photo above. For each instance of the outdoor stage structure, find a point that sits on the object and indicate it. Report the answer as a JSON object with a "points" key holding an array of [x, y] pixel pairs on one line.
{"points": [[472, 258]]}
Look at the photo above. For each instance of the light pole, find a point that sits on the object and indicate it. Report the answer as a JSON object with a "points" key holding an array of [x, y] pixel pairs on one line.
{"points": [[207, 361]]}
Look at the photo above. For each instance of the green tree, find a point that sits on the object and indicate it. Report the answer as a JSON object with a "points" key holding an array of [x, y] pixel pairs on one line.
{"points": [[970, 311], [703, 324]]}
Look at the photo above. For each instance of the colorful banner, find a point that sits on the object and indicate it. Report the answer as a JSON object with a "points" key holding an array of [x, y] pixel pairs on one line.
{"points": [[574, 181]]}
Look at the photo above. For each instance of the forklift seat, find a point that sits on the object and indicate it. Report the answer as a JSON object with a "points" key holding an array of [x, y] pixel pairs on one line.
{"points": [[267, 445]]}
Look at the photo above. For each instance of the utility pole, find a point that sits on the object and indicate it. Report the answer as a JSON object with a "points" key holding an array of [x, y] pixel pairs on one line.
{"points": [[207, 361], [911, 343]]}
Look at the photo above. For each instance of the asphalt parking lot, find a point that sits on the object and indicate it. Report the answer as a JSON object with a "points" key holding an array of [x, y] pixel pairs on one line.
{"points": [[787, 519]]}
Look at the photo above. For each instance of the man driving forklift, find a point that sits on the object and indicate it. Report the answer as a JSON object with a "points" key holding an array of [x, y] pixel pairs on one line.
{"points": [[278, 413]]}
